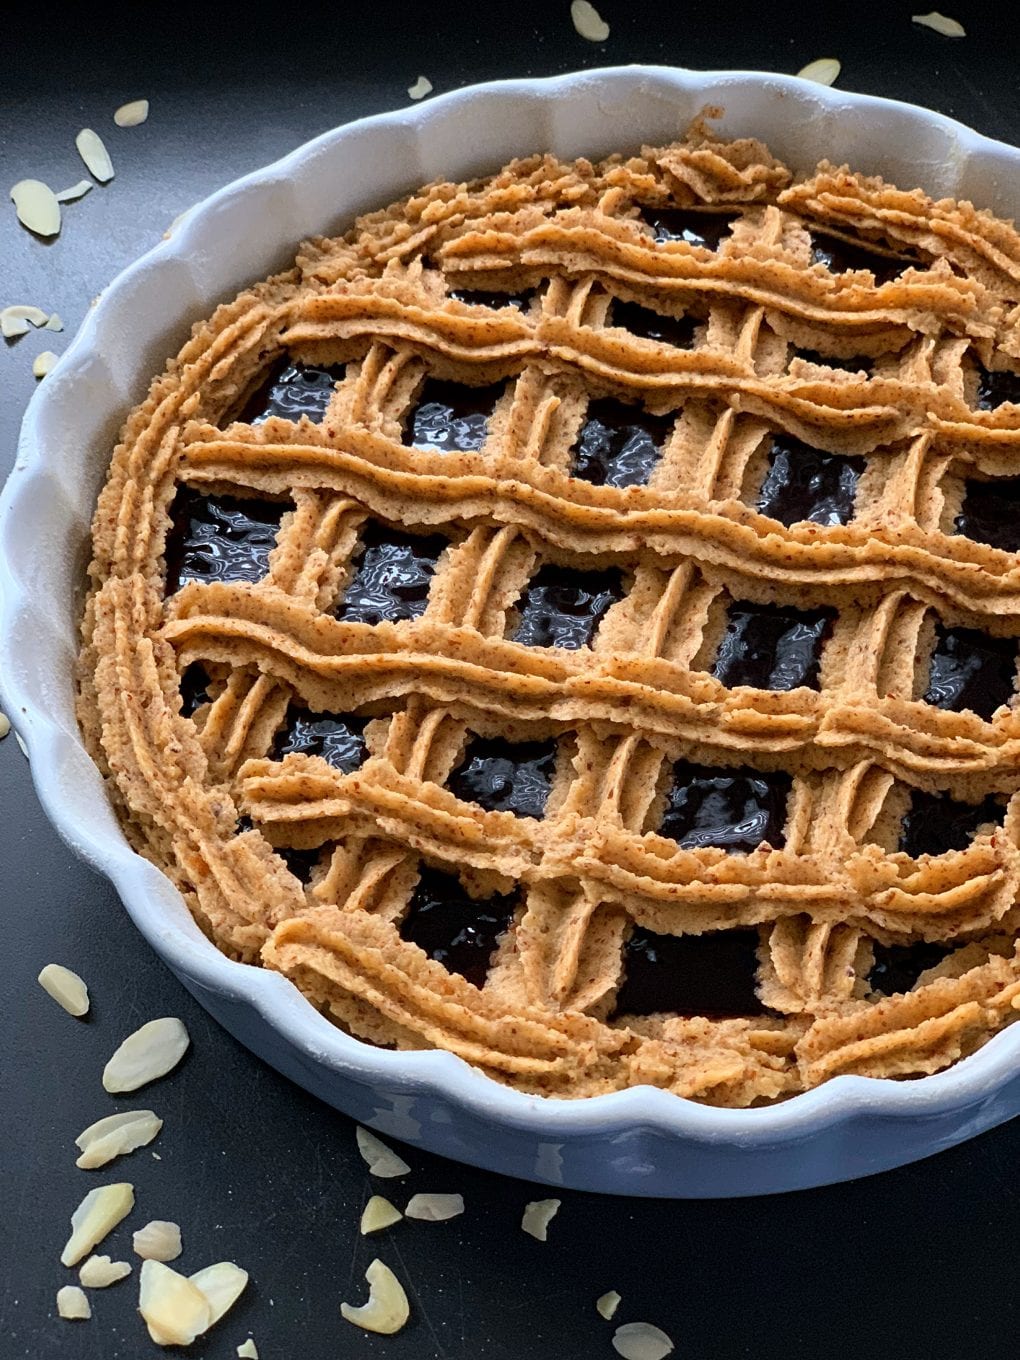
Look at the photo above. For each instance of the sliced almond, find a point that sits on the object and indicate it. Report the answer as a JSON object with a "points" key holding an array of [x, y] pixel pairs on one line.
{"points": [[14, 320], [99, 1271], [76, 191], [151, 1052], [824, 71], [72, 1303], [941, 23], [130, 115], [222, 1284], [248, 1350], [44, 363], [175, 1310], [115, 1135], [377, 1214], [54, 323], [66, 988], [641, 1341], [94, 154], [421, 87], [588, 21], [5, 727], [382, 1161], [607, 1304], [98, 1214], [434, 1208], [158, 1241], [37, 207], [537, 1217], [387, 1309]]}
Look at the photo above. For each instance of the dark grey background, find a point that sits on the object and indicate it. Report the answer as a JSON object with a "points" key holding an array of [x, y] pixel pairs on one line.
{"points": [[916, 1263]]}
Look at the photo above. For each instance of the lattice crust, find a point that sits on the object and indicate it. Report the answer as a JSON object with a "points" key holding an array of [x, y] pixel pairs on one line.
{"points": [[313, 866]]}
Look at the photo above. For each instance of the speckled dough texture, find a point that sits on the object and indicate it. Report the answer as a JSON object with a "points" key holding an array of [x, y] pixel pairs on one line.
{"points": [[205, 798]]}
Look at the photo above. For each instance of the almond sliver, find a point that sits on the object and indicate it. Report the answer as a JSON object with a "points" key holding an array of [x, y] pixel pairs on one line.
{"points": [[174, 1308], [115, 1135], [151, 1052], [98, 1214], [37, 207], [95, 155]]}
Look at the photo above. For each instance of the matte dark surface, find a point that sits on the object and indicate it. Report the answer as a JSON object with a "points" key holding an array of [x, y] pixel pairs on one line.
{"points": [[917, 1264]]}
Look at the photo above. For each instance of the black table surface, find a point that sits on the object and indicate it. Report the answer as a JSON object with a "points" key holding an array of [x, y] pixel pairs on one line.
{"points": [[918, 1262]]}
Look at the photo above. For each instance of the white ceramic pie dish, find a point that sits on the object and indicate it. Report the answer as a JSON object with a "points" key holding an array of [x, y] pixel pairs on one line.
{"points": [[641, 1141]]}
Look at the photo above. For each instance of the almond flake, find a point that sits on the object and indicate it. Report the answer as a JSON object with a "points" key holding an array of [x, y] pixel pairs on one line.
{"points": [[158, 1241], [5, 727], [151, 1052], [175, 1310], [537, 1217], [434, 1208], [824, 71], [54, 323], [248, 1350], [98, 1214], [94, 154], [377, 1214], [382, 1161], [607, 1304], [222, 1284], [66, 988], [387, 1309], [37, 207], [588, 21], [43, 363], [421, 87], [72, 1303], [116, 1134], [14, 320], [949, 28], [78, 190], [99, 1271], [641, 1341], [130, 115]]}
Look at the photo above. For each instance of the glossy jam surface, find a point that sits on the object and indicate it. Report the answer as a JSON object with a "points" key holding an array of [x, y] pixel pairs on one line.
{"points": [[772, 646], [732, 808], [803, 483], [563, 607], [450, 417], [294, 391], [991, 513], [898, 966], [647, 324], [971, 670], [393, 575], [338, 739], [840, 257], [219, 538], [712, 975], [195, 684], [854, 364], [936, 823], [480, 297], [619, 445], [455, 929], [996, 386], [682, 224], [506, 776]]}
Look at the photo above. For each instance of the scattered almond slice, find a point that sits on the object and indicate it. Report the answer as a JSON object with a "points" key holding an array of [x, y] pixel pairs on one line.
{"points": [[54, 323], [641, 1341], [824, 71], [377, 1214], [130, 115], [607, 1304], [99, 1271], [382, 1161], [98, 1214], [76, 191], [175, 1310], [248, 1350], [151, 1052], [37, 207], [158, 1241], [421, 87], [66, 988], [222, 1284], [387, 1309], [5, 727], [14, 320], [115, 1135], [94, 154], [434, 1208], [44, 363], [537, 1217], [72, 1303], [941, 23], [588, 21]]}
